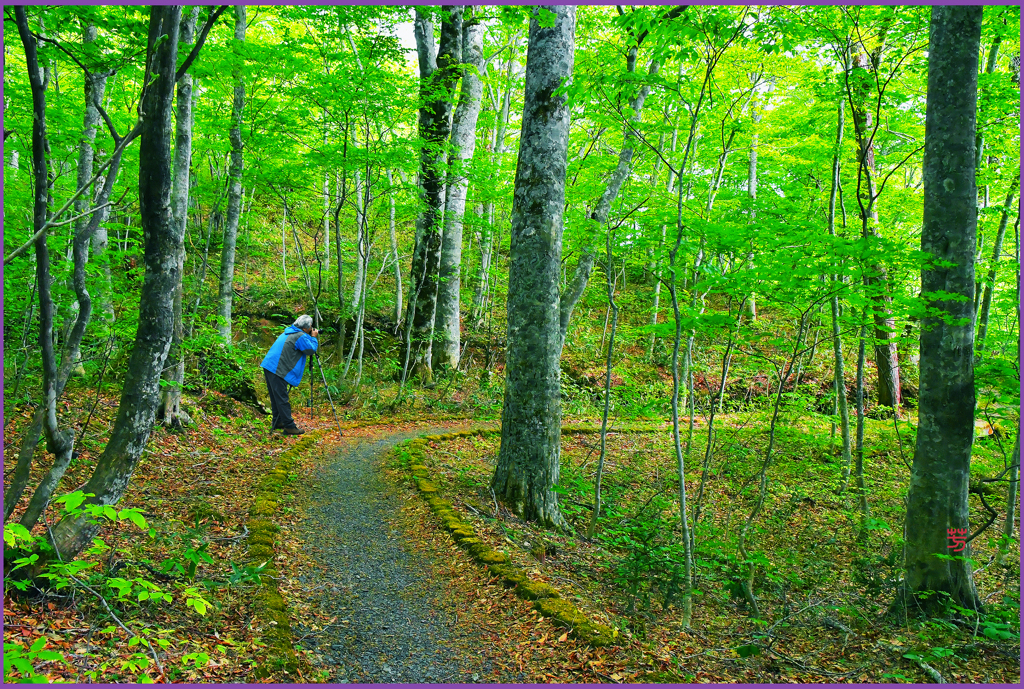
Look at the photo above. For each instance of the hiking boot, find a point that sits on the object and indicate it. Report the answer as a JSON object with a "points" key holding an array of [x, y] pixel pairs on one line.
{"points": [[294, 430]]}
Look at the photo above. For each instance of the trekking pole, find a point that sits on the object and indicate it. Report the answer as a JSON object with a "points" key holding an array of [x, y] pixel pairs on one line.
{"points": [[328, 391]]}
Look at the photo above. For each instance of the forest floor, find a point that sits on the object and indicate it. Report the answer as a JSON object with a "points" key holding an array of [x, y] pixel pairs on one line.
{"points": [[379, 592]]}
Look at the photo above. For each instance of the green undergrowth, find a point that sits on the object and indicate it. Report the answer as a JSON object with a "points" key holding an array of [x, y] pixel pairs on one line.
{"points": [[818, 564]]}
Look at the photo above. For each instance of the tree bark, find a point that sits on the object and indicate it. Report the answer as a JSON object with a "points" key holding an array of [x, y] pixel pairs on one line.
{"points": [[394, 250], [141, 391], [750, 309], [1011, 499], [171, 413], [19, 482], [997, 248], [528, 461], [437, 82], [657, 291], [937, 498], [498, 150], [95, 86], [837, 341], [227, 256], [58, 442], [610, 283], [360, 201], [447, 343], [886, 361]]}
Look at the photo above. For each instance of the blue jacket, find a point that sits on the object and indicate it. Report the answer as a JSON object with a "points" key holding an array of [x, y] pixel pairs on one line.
{"points": [[287, 357]]}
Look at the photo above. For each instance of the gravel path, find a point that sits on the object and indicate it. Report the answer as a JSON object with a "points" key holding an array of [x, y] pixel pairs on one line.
{"points": [[391, 626]]}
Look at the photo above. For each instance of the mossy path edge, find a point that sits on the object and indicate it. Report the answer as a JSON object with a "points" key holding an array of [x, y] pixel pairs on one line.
{"points": [[412, 454], [271, 610]]}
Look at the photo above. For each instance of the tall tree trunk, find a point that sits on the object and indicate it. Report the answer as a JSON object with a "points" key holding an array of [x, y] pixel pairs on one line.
{"points": [[95, 86], [72, 347], [171, 413], [657, 291], [837, 341], [655, 266], [528, 461], [610, 282], [997, 248], [1011, 498], [360, 193], [394, 251], [58, 442], [447, 343], [284, 245], [342, 196], [599, 215], [498, 149], [750, 310], [937, 499], [862, 497], [227, 256], [327, 206], [979, 139], [676, 438], [886, 361], [437, 83], [141, 391]]}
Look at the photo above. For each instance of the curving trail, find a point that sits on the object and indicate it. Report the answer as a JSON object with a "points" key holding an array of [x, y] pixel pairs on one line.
{"points": [[390, 626]]}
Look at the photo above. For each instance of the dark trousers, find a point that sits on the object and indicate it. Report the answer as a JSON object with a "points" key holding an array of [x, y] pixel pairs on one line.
{"points": [[280, 407]]}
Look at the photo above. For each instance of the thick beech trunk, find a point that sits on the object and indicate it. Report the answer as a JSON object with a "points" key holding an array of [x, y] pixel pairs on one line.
{"points": [[227, 255], [141, 391], [437, 82], [174, 372], [447, 343], [937, 498], [528, 461]]}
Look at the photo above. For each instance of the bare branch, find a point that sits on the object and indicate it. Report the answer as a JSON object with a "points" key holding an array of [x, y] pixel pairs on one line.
{"points": [[50, 223], [199, 42]]}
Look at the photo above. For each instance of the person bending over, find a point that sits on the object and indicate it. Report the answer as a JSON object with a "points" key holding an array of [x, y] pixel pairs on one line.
{"points": [[283, 366]]}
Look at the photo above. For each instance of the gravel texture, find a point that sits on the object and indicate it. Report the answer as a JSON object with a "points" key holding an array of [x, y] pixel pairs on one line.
{"points": [[392, 623]]}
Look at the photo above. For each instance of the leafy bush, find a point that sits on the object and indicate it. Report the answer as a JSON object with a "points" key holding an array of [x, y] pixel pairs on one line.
{"points": [[650, 557]]}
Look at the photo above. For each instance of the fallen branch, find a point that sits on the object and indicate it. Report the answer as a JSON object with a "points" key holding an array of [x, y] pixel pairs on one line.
{"points": [[932, 673], [117, 619], [244, 534]]}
